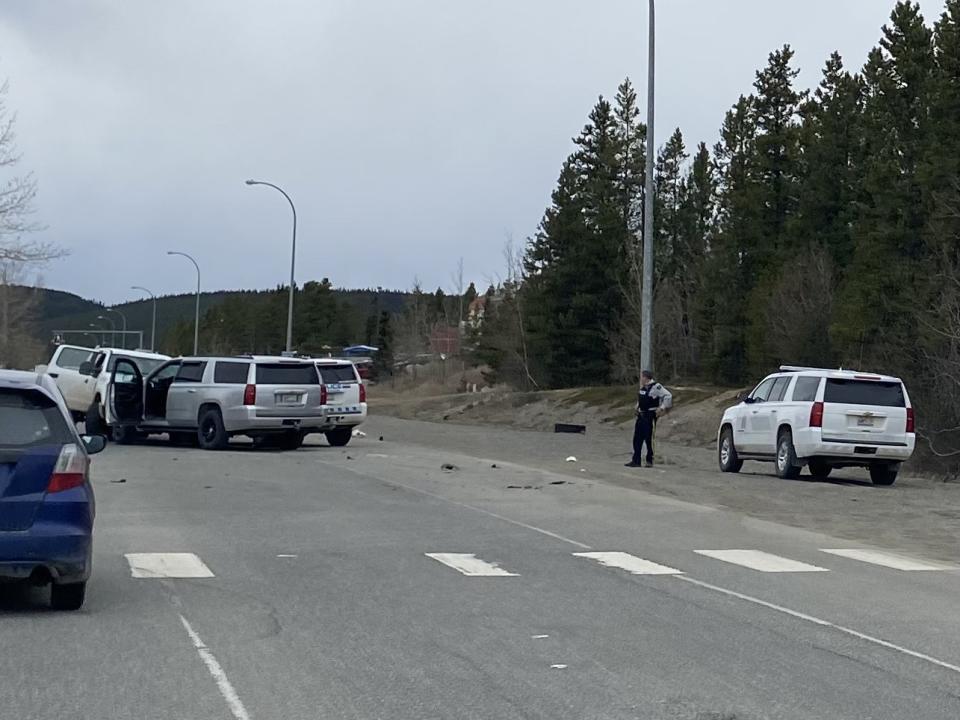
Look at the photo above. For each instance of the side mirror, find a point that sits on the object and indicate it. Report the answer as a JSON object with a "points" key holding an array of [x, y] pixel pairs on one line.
{"points": [[748, 400], [94, 443], [86, 368]]}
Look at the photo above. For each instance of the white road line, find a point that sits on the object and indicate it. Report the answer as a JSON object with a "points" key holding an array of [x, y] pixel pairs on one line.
{"points": [[167, 565], [554, 535], [759, 560], [219, 676], [886, 559], [823, 623], [630, 563], [470, 565]]}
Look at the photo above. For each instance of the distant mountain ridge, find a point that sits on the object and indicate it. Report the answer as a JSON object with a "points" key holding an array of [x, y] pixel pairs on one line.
{"points": [[59, 311]]}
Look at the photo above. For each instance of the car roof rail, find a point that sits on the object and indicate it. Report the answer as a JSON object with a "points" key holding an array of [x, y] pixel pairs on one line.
{"points": [[801, 368]]}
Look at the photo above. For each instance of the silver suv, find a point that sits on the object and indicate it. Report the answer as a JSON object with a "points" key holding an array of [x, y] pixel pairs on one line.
{"points": [[206, 400]]}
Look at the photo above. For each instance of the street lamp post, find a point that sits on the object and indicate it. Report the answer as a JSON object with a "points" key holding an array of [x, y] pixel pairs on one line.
{"points": [[124, 318], [293, 259], [153, 323], [196, 314], [113, 329], [646, 297]]}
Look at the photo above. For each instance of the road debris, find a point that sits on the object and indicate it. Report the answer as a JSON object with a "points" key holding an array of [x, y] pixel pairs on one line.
{"points": [[121, 480], [358, 433], [559, 482], [449, 467], [572, 458]]}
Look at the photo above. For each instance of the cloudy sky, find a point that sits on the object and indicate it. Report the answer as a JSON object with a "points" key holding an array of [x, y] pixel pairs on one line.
{"points": [[409, 133]]}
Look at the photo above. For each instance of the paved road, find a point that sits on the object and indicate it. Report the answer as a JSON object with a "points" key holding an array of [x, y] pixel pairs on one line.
{"points": [[368, 582]]}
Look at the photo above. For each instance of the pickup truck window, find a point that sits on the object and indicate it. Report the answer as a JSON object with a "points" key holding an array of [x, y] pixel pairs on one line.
{"points": [[73, 358]]}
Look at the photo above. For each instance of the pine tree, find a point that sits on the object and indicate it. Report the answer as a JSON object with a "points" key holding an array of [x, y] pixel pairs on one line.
{"points": [[831, 131], [729, 273], [889, 231]]}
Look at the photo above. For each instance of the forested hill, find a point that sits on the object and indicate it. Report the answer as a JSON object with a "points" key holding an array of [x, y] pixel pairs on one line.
{"points": [[237, 311]]}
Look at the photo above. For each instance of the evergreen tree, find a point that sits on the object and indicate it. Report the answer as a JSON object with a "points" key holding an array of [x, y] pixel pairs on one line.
{"points": [[892, 216]]}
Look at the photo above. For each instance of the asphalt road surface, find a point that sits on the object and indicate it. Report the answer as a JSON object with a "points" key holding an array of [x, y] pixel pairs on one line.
{"points": [[369, 582]]}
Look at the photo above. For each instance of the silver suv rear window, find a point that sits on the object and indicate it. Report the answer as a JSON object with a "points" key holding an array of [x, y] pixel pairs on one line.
{"points": [[333, 374], [287, 374], [864, 392]]}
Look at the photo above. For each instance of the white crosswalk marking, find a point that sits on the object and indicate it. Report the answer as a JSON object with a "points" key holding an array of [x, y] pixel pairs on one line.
{"points": [[167, 565], [759, 560], [630, 563], [886, 559], [470, 565]]}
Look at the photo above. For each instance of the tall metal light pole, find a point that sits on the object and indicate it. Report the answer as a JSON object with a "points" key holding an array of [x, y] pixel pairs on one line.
{"points": [[196, 314], [646, 323], [153, 324], [293, 259], [124, 318], [113, 328]]}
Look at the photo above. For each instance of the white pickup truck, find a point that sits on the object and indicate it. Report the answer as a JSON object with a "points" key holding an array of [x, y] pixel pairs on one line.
{"points": [[83, 375]]}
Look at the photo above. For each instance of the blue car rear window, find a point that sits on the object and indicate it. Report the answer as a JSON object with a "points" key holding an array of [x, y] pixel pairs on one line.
{"points": [[29, 418]]}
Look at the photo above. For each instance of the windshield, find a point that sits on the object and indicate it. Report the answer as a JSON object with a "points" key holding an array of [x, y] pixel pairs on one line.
{"points": [[146, 365]]}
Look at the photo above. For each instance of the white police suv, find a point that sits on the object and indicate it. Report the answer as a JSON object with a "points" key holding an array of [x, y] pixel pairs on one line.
{"points": [[821, 419]]}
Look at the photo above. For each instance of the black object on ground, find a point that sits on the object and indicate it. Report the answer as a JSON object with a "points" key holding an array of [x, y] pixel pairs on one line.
{"points": [[448, 467], [121, 480], [569, 428]]}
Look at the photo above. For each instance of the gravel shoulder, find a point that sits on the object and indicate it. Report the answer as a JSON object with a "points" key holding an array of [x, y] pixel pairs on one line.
{"points": [[918, 515]]}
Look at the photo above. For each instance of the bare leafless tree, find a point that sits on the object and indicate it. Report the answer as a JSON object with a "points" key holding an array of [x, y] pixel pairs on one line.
{"points": [[19, 255]]}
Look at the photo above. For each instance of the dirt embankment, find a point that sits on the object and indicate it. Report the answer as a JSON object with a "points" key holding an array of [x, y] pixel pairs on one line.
{"points": [[693, 421]]}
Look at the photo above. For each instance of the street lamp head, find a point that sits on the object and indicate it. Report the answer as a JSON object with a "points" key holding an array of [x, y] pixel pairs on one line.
{"points": [[251, 182]]}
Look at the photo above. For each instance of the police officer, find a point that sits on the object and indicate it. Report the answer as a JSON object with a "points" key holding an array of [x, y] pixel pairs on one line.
{"points": [[652, 401]]}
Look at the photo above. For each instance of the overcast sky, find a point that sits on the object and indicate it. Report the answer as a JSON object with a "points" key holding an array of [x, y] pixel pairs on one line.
{"points": [[408, 132]]}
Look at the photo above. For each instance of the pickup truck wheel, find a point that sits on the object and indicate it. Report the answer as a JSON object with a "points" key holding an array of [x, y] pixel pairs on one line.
{"points": [[883, 474], [125, 435], [819, 469], [211, 434], [92, 422], [340, 436], [787, 466], [727, 453]]}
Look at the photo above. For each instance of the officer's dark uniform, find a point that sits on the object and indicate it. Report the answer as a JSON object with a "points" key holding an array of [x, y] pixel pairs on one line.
{"points": [[653, 395]]}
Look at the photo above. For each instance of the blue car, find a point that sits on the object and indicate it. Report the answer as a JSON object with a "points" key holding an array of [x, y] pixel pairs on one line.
{"points": [[46, 501]]}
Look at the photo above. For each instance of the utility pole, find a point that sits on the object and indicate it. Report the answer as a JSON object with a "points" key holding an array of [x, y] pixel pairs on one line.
{"points": [[646, 325], [153, 324], [293, 258]]}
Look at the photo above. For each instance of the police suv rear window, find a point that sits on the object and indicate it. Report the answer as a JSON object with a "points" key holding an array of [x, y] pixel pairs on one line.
{"points": [[333, 374], [287, 374], [863, 392]]}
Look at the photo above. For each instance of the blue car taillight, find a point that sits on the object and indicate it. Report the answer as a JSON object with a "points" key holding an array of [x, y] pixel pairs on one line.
{"points": [[70, 471]]}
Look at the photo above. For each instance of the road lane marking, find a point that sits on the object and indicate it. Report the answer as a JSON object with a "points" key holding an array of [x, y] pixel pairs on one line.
{"points": [[470, 565], [885, 559], [759, 560], [538, 637], [554, 535], [286, 555], [216, 671], [167, 565], [558, 666], [630, 563], [822, 623]]}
